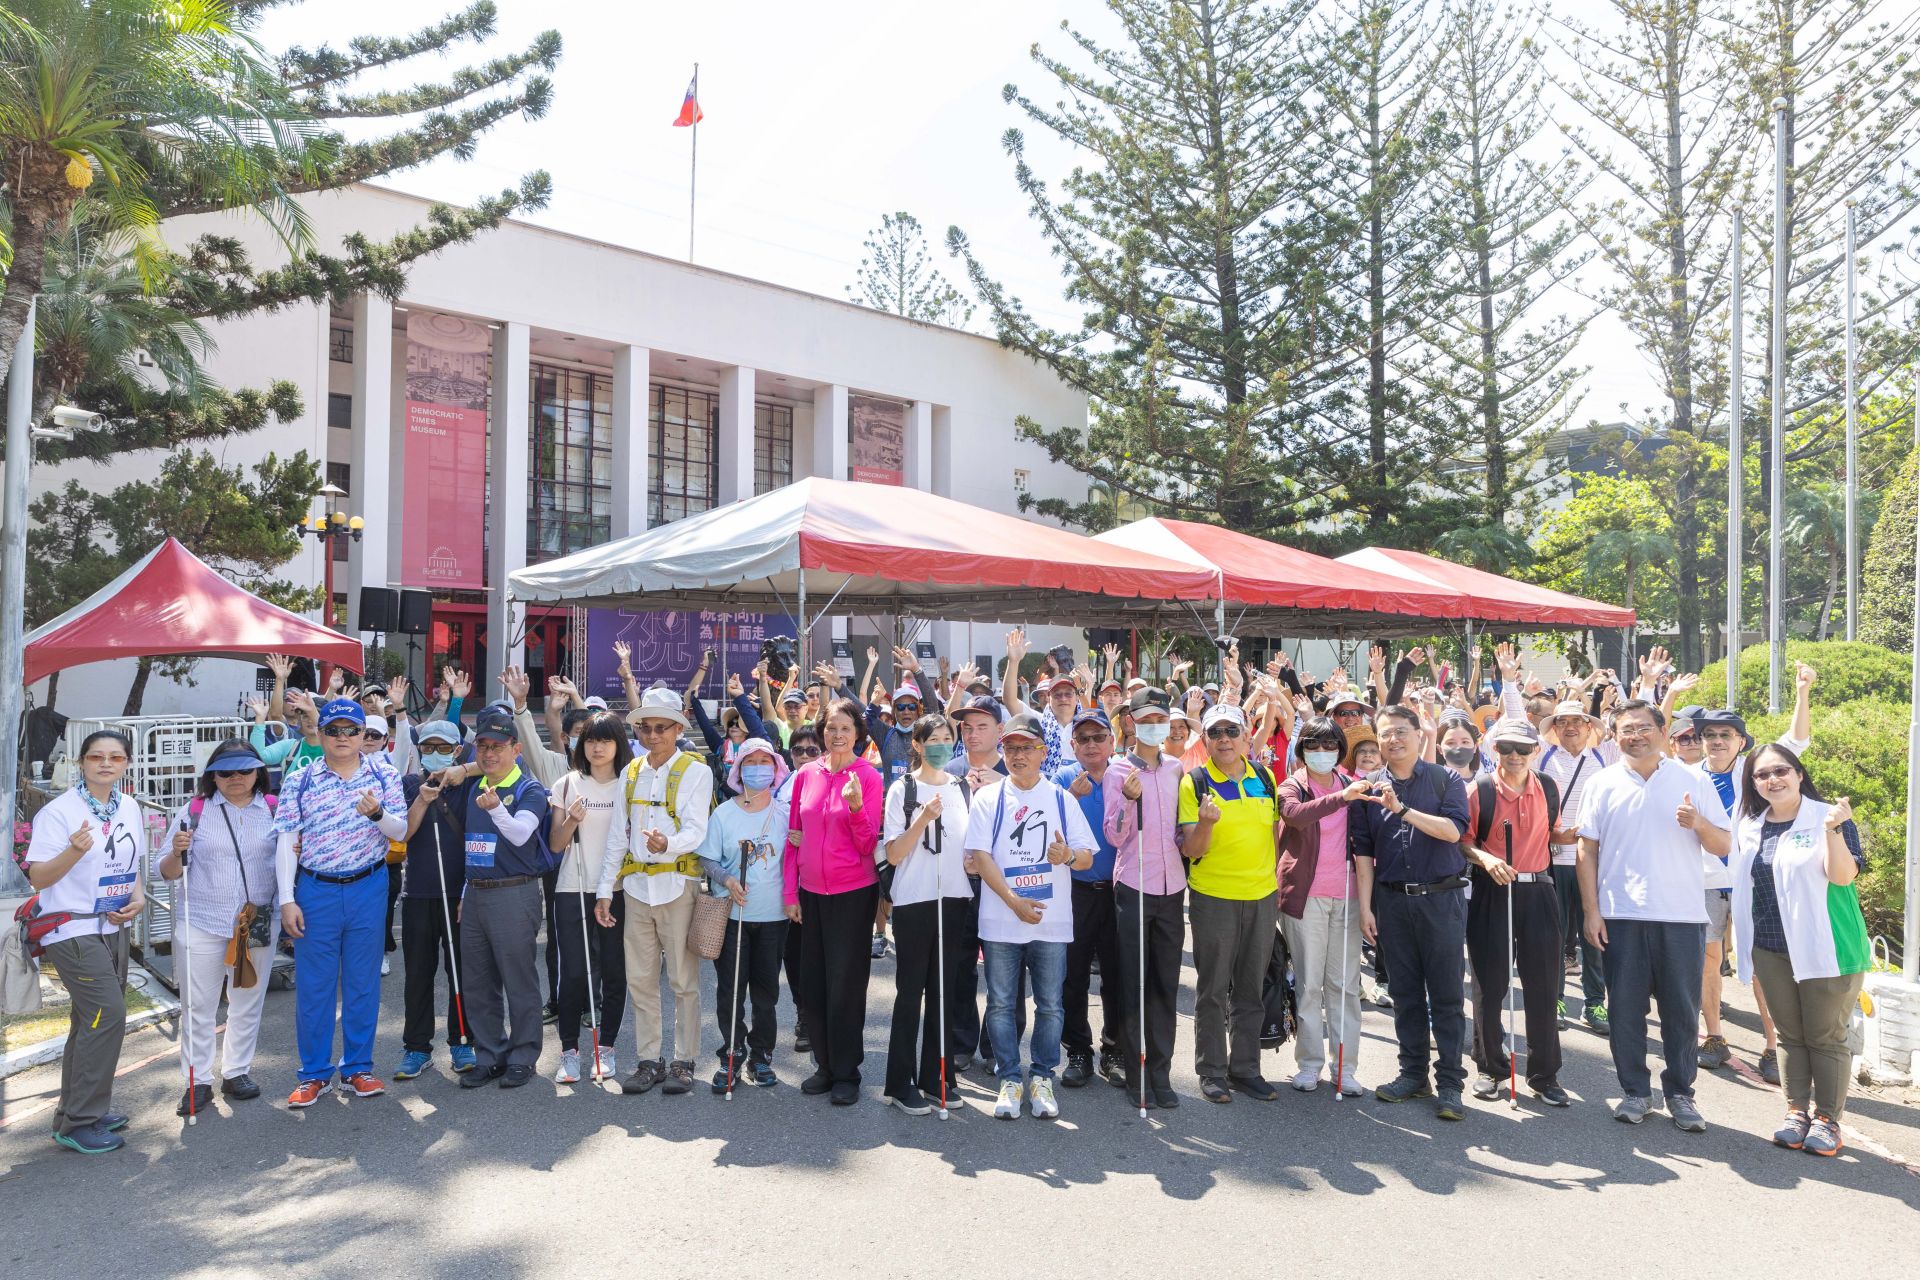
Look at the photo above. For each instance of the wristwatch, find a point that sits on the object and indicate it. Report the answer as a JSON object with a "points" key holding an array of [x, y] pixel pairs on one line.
{"points": [[1401, 812]]}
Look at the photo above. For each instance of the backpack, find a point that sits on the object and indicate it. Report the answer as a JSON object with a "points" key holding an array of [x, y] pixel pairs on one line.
{"points": [[1000, 811], [544, 857], [1199, 777], [1279, 1003], [910, 802], [676, 770], [1484, 793]]}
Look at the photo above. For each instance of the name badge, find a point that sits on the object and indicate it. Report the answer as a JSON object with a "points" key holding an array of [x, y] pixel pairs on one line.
{"points": [[480, 851], [113, 893]]}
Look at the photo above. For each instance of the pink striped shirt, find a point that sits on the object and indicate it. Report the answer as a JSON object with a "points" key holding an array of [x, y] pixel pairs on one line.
{"points": [[836, 844]]}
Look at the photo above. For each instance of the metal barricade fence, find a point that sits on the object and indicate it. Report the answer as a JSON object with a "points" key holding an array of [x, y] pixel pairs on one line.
{"points": [[168, 752]]}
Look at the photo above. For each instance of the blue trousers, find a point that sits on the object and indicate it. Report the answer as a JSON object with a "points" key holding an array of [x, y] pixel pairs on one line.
{"points": [[336, 965], [1652, 962]]}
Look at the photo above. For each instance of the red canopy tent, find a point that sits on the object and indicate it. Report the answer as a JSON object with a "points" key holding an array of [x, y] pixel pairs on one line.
{"points": [[1280, 588], [1491, 597], [173, 604]]}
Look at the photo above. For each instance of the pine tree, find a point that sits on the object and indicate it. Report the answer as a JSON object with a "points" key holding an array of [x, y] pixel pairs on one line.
{"points": [[1501, 385], [1192, 244], [897, 275]]}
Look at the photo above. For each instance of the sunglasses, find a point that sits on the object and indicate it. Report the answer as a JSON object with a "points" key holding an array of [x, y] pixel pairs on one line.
{"points": [[1513, 748], [1685, 739], [375, 737], [657, 726], [1089, 739], [1769, 775], [347, 730], [1224, 731], [226, 775], [806, 753]]}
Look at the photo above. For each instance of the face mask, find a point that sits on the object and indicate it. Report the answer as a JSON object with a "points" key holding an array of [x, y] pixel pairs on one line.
{"points": [[434, 760], [1153, 735], [937, 754], [573, 740], [1322, 761], [756, 777], [1460, 757]]}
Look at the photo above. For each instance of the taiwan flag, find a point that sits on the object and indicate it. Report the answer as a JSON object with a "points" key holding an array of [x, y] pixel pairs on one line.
{"points": [[690, 113]]}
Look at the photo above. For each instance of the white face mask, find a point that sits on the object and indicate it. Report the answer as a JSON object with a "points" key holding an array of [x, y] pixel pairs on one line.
{"points": [[1321, 761], [1154, 734]]}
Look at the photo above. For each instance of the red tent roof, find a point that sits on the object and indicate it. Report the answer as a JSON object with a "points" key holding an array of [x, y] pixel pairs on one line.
{"points": [[173, 604], [871, 548], [1494, 598], [1263, 576]]}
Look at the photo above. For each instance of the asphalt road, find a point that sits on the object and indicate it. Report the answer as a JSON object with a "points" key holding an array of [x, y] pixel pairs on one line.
{"points": [[433, 1180]]}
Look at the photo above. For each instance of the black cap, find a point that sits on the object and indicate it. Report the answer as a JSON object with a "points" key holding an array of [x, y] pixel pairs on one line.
{"points": [[1026, 725], [990, 705], [1150, 699], [1092, 715], [496, 724]]}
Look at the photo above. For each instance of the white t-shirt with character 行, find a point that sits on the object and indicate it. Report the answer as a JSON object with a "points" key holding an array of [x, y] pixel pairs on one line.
{"points": [[1027, 822]]}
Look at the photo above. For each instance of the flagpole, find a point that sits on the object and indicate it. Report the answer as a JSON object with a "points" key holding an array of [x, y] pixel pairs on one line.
{"points": [[1736, 463], [1776, 589], [693, 170], [1853, 460]]}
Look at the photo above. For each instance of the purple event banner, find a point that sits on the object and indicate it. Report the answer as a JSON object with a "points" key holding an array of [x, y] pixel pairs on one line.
{"points": [[667, 646]]}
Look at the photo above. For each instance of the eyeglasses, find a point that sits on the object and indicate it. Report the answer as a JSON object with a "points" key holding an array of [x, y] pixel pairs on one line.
{"points": [[1513, 748], [348, 730], [1021, 748], [657, 726], [1768, 775], [1089, 739], [1393, 735], [1224, 731]]}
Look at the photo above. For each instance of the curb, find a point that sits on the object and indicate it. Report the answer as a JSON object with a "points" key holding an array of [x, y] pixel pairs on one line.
{"points": [[36, 1055]]}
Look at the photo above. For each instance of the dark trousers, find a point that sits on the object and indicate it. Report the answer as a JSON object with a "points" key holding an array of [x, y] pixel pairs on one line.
{"points": [[394, 877], [498, 928], [93, 968], [757, 982], [1093, 935], [967, 1027], [1426, 975], [609, 956], [1593, 980], [790, 956], [917, 994], [423, 948], [549, 883], [1650, 961], [836, 958], [1536, 953], [1166, 935], [1232, 947]]}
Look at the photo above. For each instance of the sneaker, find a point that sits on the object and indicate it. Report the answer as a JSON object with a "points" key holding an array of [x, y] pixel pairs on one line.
{"points": [[1306, 1081], [845, 1093], [1714, 1053], [1113, 1069], [1560, 1010], [879, 946], [1007, 1106], [569, 1072], [1485, 1087], [760, 1075], [240, 1088], [1403, 1089], [1040, 1099], [192, 1101], [1553, 1095], [679, 1077], [386, 966], [463, 1058], [801, 1044], [549, 1013], [516, 1075], [1079, 1070], [1596, 1018], [1823, 1137], [608, 1063], [1254, 1087], [480, 1077], [1792, 1133], [1686, 1116], [1163, 1097], [644, 1077], [113, 1122], [1350, 1088], [308, 1092], [1214, 1089], [91, 1140], [909, 1100], [412, 1065], [361, 1084], [816, 1084], [1448, 1105], [1769, 1065], [1632, 1110]]}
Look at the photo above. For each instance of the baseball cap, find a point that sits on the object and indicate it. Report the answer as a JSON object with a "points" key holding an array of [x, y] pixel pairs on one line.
{"points": [[377, 724], [441, 731], [495, 724], [986, 705], [1109, 683], [1514, 731], [1137, 682], [1222, 713], [342, 709], [1024, 725], [793, 697], [1148, 700], [597, 702], [911, 692], [1092, 715]]}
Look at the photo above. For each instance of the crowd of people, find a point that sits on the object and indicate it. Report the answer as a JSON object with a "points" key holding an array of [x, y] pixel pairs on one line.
{"points": [[1048, 829]]}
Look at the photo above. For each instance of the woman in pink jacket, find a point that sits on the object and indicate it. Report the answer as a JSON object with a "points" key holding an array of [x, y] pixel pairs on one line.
{"points": [[832, 889]]}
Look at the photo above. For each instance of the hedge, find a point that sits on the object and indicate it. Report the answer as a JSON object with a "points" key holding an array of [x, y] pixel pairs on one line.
{"points": [[1886, 574], [1848, 671]]}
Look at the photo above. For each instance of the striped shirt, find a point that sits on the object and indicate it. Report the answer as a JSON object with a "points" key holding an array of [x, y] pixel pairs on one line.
{"points": [[320, 806]]}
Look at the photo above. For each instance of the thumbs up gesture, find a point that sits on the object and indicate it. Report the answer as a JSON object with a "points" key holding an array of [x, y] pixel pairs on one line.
{"points": [[1057, 851], [851, 793], [1687, 815]]}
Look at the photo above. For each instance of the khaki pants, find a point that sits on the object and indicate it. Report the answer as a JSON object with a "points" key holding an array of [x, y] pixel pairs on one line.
{"points": [[93, 968], [1812, 1019], [653, 932]]}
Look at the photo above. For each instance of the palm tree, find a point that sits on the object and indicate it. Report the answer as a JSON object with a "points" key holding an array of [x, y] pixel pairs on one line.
{"points": [[1627, 551], [1492, 547], [116, 88], [1816, 523]]}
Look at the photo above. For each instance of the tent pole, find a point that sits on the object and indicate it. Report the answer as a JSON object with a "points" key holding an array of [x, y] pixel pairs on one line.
{"points": [[13, 567], [806, 647]]}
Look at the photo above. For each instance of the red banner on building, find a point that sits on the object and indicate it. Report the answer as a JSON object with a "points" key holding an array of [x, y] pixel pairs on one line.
{"points": [[443, 520], [877, 444]]}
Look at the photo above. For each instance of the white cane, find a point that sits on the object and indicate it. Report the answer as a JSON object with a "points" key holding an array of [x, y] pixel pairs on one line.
{"points": [[1350, 890], [183, 932], [940, 957], [1140, 869], [446, 914], [593, 994], [1513, 1029], [733, 1005]]}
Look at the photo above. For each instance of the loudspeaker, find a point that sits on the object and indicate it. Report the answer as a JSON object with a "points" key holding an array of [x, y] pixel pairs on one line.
{"points": [[416, 613], [379, 609]]}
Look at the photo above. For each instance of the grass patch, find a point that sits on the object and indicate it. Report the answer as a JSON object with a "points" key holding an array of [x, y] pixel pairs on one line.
{"points": [[21, 1031]]}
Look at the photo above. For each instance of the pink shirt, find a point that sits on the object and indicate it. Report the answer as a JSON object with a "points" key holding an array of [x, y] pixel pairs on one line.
{"points": [[1330, 871], [836, 844]]}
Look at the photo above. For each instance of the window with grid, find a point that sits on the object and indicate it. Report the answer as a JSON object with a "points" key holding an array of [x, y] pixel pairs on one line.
{"points": [[772, 447], [683, 476], [570, 462], [340, 344]]}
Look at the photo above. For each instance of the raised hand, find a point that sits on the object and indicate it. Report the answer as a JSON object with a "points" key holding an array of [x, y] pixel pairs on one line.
{"points": [[624, 652], [1683, 682], [515, 682], [734, 688], [1840, 813], [826, 673], [1803, 676], [397, 692], [461, 684], [1377, 661], [561, 688], [257, 705], [904, 660], [1111, 652], [873, 656], [851, 793], [1508, 661], [1016, 646], [1417, 655], [336, 682], [281, 665]]}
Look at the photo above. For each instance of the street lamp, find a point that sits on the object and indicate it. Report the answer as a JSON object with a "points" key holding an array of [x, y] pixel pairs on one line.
{"points": [[326, 530]]}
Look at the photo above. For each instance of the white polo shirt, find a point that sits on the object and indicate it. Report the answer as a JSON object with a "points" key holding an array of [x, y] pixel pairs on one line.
{"points": [[1650, 866]]}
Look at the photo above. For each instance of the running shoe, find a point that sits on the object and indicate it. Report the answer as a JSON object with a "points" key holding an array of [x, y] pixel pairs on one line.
{"points": [[569, 1072], [412, 1065], [463, 1058], [1792, 1133], [1823, 1137], [91, 1140], [1007, 1107], [362, 1084], [1040, 1099], [309, 1092]]}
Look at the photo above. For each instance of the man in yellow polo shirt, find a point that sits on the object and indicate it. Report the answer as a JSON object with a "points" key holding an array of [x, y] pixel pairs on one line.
{"points": [[1227, 817]]}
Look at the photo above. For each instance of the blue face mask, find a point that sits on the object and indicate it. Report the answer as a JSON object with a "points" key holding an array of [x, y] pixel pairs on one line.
{"points": [[432, 760], [1321, 761], [756, 777]]}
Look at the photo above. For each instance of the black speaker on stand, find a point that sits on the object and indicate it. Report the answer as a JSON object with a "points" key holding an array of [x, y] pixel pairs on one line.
{"points": [[415, 620], [379, 609]]}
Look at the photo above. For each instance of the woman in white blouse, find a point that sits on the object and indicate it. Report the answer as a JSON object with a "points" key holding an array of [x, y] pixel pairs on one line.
{"points": [[223, 842]]}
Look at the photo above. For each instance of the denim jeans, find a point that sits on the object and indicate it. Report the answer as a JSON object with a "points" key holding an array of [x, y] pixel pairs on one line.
{"points": [[1045, 964], [1650, 962]]}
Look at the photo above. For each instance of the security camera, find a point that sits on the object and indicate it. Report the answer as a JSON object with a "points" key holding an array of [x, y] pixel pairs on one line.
{"points": [[76, 419]]}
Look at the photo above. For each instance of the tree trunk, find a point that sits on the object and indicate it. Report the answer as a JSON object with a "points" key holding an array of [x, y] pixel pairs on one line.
{"points": [[1826, 604], [53, 689], [137, 694], [22, 285]]}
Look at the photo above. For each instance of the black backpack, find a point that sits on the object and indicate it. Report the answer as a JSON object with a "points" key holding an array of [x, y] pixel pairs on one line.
{"points": [[1280, 1006], [1483, 785], [909, 802]]}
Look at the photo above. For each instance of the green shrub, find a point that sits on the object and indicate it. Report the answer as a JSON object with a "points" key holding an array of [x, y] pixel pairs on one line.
{"points": [[1860, 751], [1886, 574], [1848, 672]]}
